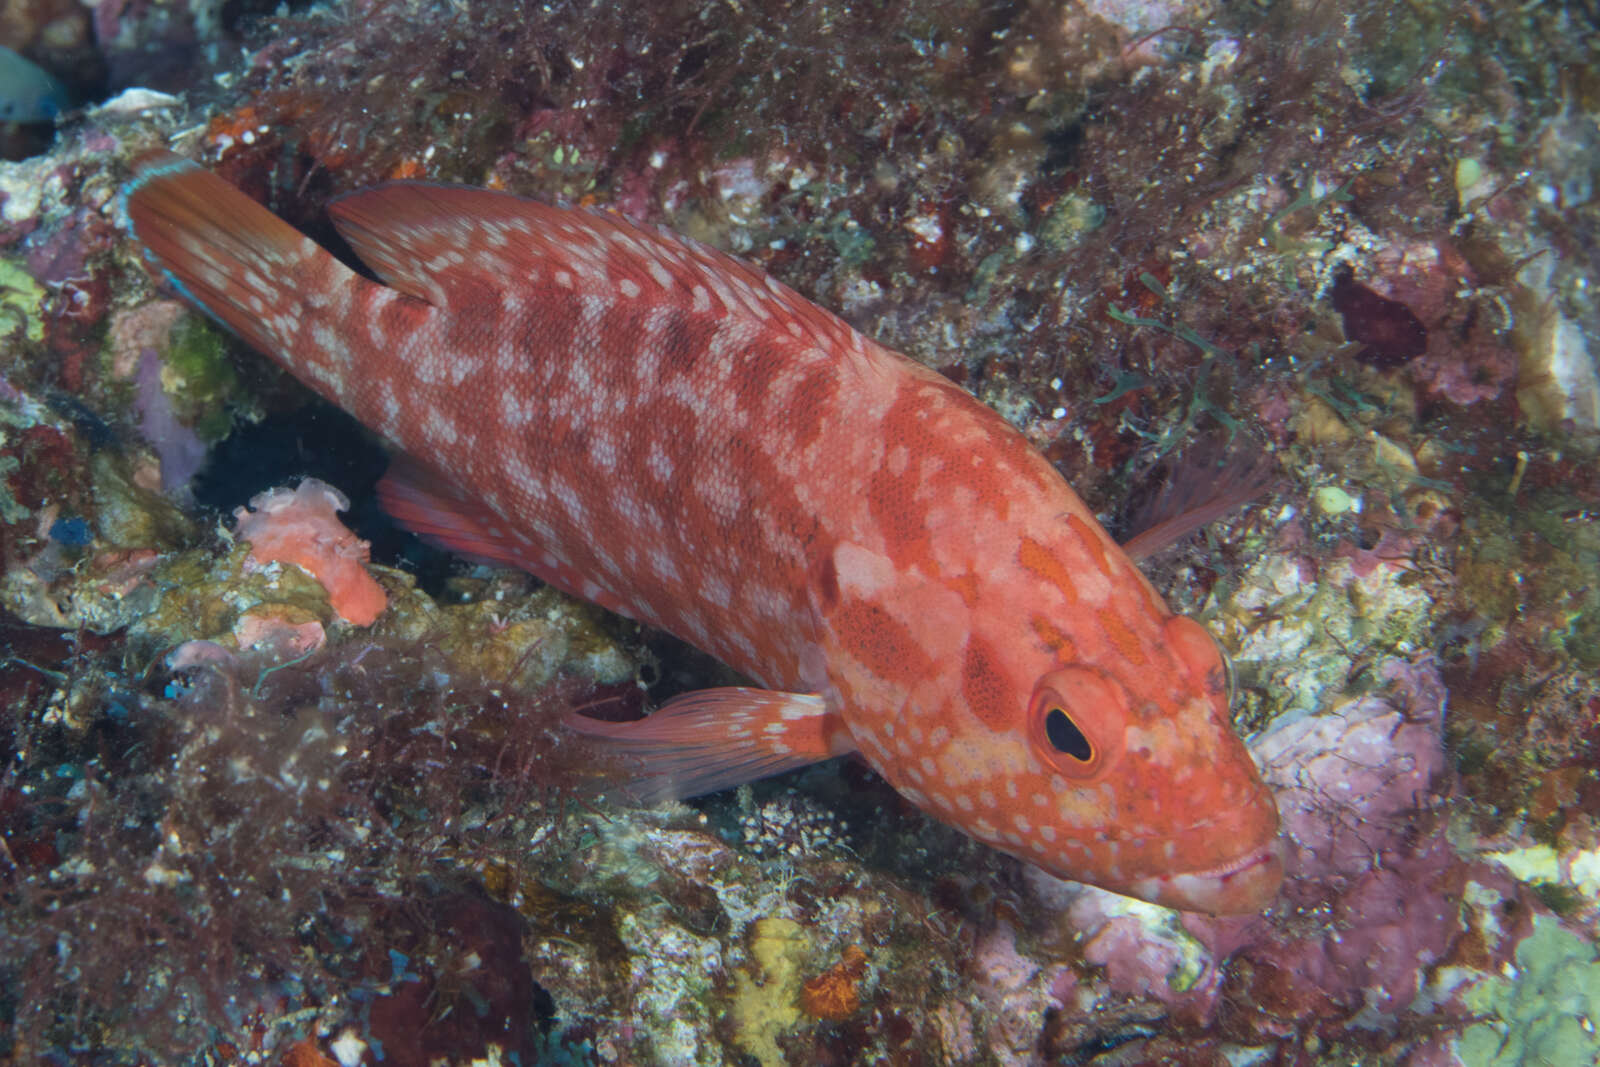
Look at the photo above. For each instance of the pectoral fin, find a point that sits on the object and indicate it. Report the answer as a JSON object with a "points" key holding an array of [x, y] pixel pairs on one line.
{"points": [[714, 739]]}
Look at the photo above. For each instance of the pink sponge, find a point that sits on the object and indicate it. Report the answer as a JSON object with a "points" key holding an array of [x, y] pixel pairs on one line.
{"points": [[301, 526]]}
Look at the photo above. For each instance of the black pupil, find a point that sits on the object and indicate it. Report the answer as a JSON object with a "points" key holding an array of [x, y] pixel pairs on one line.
{"points": [[1066, 737]]}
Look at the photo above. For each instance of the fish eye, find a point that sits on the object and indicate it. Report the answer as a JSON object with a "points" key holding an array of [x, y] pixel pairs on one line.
{"points": [[1078, 719], [1065, 736]]}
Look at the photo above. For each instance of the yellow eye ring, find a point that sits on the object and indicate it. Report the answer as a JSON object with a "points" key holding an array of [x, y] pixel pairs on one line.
{"points": [[1065, 737]]}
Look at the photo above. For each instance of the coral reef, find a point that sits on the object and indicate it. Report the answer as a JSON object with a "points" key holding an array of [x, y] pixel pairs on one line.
{"points": [[1352, 238]]}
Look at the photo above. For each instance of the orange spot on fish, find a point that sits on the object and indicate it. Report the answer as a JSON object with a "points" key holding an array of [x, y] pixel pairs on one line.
{"points": [[983, 684], [1053, 637], [882, 643], [1041, 561], [1122, 639], [967, 586], [1094, 541]]}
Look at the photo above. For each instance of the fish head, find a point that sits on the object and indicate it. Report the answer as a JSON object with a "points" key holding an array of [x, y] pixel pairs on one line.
{"points": [[1007, 668], [1092, 740], [1150, 793]]}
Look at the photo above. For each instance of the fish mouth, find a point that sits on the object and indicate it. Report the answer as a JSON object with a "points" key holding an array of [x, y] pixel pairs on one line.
{"points": [[1242, 886]]}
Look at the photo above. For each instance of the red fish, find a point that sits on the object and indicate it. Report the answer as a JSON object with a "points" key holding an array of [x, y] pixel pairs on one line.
{"points": [[657, 427]]}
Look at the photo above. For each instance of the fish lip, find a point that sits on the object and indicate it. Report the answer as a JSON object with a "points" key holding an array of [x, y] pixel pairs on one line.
{"points": [[1272, 850], [1245, 885]]}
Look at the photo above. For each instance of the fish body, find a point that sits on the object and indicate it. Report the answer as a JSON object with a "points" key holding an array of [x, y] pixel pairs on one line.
{"points": [[657, 427]]}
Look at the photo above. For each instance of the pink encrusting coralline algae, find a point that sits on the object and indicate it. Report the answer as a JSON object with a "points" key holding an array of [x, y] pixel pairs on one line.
{"points": [[662, 429]]}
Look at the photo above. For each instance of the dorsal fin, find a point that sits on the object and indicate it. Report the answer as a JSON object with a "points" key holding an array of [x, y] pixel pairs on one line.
{"points": [[443, 242]]}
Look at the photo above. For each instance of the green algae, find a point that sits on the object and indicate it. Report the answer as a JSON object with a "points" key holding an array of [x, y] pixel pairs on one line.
{"points": [[1537, 1015], [563, 164], [205, 596], [10, 510], [1531, 559], [1295, 642], [127, 515], [21, 300], [199, 377], [1069, 220]]}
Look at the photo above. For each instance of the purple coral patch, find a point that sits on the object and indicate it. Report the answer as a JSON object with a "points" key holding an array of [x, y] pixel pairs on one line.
{"points": [[182, 452]]}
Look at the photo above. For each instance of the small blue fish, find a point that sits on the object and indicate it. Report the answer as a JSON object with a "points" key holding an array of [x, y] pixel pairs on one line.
{"points": [[28, 92]]}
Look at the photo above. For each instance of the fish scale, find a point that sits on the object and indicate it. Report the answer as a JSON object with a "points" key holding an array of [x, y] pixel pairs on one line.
{"points": [[653, 425]]}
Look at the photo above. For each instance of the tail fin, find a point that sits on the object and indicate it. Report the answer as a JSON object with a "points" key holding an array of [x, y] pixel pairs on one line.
{"points": [[247, 268]]}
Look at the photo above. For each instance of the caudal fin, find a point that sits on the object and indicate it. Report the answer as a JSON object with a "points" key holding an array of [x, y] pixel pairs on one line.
{"points": [[247, 268]]}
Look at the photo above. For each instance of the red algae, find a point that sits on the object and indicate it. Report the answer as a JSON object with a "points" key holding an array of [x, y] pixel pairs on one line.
{"points": [[834, 995], [297, 833], [1389, 332]]}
